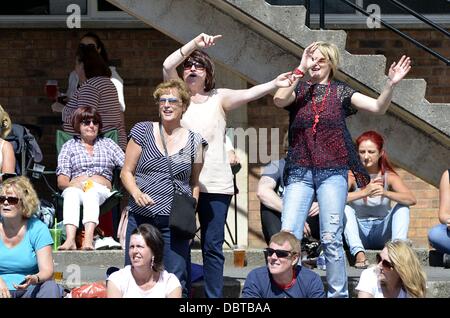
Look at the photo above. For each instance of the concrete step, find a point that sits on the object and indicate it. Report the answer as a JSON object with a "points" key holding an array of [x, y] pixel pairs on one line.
{"points": [[81, 267]]}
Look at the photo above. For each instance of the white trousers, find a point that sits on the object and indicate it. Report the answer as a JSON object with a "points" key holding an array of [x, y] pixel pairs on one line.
{"points": [[91, 200]]}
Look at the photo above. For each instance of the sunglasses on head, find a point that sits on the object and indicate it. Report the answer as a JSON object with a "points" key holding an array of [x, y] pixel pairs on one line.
{"points": [[279, 253], [11, 200], [384, 263], [87, 122], [198, 66]]}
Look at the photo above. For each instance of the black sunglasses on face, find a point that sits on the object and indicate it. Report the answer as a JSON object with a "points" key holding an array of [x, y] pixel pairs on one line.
{"points": [[11, 200], [279, 253], [198, 66], [384, 263], [87, 122]]}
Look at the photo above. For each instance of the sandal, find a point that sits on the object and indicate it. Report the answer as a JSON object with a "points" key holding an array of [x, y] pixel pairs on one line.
{"points": [[362, 264]]}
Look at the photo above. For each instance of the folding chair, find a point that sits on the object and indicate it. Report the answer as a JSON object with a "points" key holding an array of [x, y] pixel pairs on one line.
{"points": [[117, 195]]}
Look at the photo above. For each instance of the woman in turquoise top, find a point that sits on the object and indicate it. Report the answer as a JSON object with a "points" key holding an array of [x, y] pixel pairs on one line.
{"points": [[26, 261]]}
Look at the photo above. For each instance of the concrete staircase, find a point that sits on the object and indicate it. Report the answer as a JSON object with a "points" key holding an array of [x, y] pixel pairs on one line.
{"points": [[81, 267], [260, 41]]}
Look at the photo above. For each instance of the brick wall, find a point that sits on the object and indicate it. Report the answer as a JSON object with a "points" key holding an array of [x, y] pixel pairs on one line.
{"points": [[29, 57]]}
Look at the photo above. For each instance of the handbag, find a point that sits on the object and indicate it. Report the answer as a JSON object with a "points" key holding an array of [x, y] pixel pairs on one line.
{"points": [[182, 220]]}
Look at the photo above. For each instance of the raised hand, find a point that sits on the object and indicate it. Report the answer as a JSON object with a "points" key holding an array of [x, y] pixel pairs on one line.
{"points": [[398, 70], [307, 58], [284, 80], [203, 41]]}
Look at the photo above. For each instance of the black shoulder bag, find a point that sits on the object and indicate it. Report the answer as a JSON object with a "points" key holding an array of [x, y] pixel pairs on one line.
{"points": [[182, 221]]}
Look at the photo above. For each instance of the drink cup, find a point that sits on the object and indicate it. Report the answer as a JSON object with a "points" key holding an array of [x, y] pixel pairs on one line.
{"points": [[51, 89], [56, 236], [239, 257]]}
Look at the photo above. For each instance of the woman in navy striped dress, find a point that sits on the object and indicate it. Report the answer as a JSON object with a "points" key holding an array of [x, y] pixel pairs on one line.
{"points": [[146, 177], [96, 91]]}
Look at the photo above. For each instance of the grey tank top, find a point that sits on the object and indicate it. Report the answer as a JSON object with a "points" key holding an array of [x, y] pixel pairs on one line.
{"points": [[377, 207]]}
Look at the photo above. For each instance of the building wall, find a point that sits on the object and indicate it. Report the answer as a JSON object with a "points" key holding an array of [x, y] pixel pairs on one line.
{"points": [[28, 57]]}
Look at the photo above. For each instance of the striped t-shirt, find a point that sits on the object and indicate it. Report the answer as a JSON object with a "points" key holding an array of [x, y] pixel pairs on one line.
{"points": [[152, 172], [98, 92]]}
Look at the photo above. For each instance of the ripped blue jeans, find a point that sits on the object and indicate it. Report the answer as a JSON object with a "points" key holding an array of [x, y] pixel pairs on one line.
{"points": [[331, 193]]}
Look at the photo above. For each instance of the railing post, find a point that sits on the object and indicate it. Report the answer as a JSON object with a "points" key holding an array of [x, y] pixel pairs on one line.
{"points": [[308, 13], [322, 14]]}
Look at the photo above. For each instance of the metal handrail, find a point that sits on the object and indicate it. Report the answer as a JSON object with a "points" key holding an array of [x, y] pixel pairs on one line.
{"points": [[390, 27]]}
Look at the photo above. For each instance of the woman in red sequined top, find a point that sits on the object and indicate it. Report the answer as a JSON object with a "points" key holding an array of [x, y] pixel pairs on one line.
{"points": [[321, 151]]}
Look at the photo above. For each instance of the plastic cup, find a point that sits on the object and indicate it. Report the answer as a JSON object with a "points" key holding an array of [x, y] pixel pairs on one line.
{"points": [[56, 236], [51, 89], [239, 257], [58, 277]]}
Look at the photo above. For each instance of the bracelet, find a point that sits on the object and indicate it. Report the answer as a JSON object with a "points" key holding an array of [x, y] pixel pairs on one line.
{"points": [[38, 279], [298, 72], [181, 52]]}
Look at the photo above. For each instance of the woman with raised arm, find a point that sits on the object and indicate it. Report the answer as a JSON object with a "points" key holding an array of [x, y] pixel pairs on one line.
{"points": [[321, 151], [207, 116]]}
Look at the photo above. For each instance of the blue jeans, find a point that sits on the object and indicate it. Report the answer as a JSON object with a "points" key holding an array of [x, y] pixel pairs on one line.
{"points": [[213, 209], [373, 233], [176, 250], [439, 237], [331, 194]]}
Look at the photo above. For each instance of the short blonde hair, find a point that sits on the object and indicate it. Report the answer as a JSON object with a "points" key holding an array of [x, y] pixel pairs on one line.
{"points": [[331, 53], [5, 123], [166, 87], [408, 267], [25, 192]]}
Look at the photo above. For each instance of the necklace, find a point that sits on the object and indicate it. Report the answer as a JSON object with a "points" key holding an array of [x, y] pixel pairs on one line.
{"points": [[316, 110]]}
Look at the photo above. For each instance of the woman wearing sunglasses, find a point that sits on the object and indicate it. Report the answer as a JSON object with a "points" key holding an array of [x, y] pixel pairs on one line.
{"points": [[283, 277], [97, 91], [7, 157], [206, 115], [369, 219], [147, 177], [26, 262], [398, 274], [85, 170]]}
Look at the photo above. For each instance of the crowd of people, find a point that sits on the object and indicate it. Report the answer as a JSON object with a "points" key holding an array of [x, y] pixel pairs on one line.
{"points": [[324, 187]]}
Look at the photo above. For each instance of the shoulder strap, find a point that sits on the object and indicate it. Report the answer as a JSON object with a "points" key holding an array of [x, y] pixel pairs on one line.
{"points": [[167, 156]]}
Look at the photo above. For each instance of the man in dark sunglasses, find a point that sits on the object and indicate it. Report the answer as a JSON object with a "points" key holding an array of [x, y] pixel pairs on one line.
{"points": [[283, 277]]}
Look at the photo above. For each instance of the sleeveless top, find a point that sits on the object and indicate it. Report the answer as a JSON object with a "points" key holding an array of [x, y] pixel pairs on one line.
{"points": [[330, 150], [377, 207], [152, 172], [209, 120]]}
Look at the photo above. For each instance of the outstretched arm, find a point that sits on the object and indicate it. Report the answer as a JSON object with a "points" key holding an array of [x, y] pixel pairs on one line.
{"points": [[201, 41], [232, 99], [397, 72]]}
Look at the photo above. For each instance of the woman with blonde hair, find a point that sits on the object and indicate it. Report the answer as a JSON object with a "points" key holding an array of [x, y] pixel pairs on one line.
{"points": [[7, 159], [26, 261], [398, 274], [321, 151]]}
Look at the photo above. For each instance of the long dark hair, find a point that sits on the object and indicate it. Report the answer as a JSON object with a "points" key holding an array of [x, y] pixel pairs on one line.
{"points": [[93, 63], [154, 240], [377, 139], [99, 45]]}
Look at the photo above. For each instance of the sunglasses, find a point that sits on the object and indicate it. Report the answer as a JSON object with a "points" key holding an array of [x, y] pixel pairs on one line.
{"points": [[170, 101], [198, 66], [82, 45], [11, 200], [384, 263], [87, 122], [279, 253]]}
